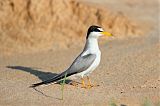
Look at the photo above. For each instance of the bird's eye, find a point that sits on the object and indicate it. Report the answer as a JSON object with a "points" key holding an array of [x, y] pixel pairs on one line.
{"points": [[97, 30]]}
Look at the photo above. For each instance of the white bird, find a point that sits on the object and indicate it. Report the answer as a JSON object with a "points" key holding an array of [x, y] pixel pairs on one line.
{"points": [[86, 62]]}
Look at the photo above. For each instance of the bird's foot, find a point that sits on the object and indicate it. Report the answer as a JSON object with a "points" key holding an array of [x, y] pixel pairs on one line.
{"points": [[85, 87], [88, 86], [92, 85]]}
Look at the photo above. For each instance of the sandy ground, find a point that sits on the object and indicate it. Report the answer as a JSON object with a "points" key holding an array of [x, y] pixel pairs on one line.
{"points": [[128, 73]]}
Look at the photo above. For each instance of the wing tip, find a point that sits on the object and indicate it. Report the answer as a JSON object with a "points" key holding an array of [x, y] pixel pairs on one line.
{"points": [[33, 86]]}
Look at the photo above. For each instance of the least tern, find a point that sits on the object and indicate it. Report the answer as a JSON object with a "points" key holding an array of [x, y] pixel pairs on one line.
{"points": [[86, 62]]}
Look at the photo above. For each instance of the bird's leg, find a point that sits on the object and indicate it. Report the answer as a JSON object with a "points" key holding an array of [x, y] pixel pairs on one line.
{"points": [[89, 82], [83, 84]]}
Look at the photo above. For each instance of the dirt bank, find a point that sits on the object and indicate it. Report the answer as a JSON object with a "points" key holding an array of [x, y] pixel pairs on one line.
{"points": [[36, 25]]}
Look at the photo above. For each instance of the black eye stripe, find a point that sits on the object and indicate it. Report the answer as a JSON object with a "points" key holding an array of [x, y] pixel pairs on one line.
{"points": [[93, 28], [97, 30]]}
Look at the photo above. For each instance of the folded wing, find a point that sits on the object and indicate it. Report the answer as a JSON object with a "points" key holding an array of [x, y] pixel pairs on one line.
{"points": [[80, 64]]}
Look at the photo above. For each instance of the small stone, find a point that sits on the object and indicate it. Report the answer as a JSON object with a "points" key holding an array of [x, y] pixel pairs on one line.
{"points": [[122, 92]]}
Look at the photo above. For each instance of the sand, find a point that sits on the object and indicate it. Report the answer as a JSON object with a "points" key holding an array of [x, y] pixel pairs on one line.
{"points": [[128, 73]]}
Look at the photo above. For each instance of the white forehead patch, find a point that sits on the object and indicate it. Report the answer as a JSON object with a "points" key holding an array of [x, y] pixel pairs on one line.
{"points": [[101, 29]]}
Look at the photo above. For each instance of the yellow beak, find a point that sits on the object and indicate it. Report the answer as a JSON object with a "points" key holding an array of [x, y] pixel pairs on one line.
{"points": [[106, 33]]}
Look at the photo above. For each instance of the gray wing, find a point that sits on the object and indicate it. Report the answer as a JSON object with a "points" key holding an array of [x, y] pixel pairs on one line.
{"points": [[81, 63]]}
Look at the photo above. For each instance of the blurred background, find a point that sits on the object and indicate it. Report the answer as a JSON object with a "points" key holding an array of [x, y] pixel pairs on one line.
{"points": [[36, 25]]}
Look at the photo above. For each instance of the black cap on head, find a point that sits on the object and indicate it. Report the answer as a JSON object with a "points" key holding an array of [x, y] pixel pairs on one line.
{"points": [[93, 28]]}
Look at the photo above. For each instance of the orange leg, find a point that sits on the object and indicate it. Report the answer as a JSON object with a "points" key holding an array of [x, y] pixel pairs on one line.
{"points": [[83, 83], [89, 82]]}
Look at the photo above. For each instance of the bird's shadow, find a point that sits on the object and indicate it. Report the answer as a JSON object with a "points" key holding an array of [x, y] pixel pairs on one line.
{"points": [[43, 76]]}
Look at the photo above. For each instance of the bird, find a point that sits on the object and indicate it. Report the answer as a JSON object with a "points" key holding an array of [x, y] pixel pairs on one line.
{"points": [[86, 62]]}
